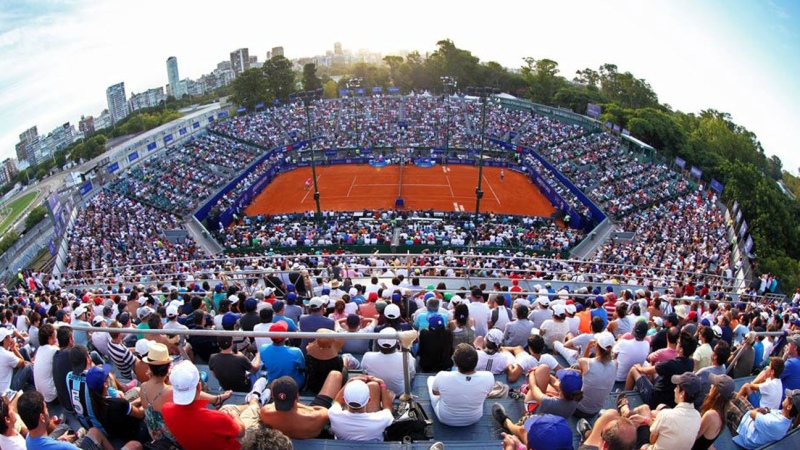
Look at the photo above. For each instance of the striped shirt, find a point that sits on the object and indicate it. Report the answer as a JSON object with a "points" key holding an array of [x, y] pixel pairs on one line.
{"points": [[123, 359], [81, 402]]}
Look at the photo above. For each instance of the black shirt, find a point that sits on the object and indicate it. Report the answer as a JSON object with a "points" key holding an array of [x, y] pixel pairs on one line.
{"points": [[249, 320], [435, 350], [117, 421], [659, 341], [61, 367], [663, 389], [232, 371]]}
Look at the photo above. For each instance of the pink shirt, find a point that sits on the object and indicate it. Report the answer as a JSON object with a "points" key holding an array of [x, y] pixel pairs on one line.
{"points": [[664, 354]]}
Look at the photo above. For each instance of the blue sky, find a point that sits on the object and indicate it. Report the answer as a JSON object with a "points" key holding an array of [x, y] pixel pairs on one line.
{"points": [[739, 56]]}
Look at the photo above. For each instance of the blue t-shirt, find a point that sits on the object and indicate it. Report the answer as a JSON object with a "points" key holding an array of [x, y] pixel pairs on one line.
{"points": [[766, 428], [758, 346], [280, 360], [422, 321], [738, 333], [601, 313], [790, 378], [289, 322], [47, 443]]}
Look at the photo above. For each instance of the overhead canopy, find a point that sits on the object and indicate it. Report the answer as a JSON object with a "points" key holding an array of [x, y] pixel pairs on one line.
{"points": [[638, 143]]}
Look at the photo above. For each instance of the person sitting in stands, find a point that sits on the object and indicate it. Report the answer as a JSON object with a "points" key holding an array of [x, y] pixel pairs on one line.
{"points": [[295, 419], [492, 357], [362, 410], [540, 432], [435, 346], [712, 420], [280, 360], [387, 363], [656, 392], [768, 384], [457, 397], [233, 370], [761, 426]]}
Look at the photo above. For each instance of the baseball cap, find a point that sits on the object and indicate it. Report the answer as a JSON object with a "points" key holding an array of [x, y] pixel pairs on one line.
{"points": [[717, 331], [291, 298], [123, 318], [794, 396], [315, 304], [435, 322], [558, 309], [250, 304], [96, 377], [681, 311], [284, 393], [97, 320], [142, 347], [640, 330], [599, 300], [572, 309], [4, 333], [172, 311], [548, 432], [495, 336], [794, 339], [184, 378], [356, 394], [692, 316], [605, 339], [353, 320], [392, 311], [705, 323], [571, 381], [689, 382], [233, 298], [456, 300], [80, 310], [386, 343], [672, 317], [724, 384], [229, 320], [279, 326], [145, 311]]}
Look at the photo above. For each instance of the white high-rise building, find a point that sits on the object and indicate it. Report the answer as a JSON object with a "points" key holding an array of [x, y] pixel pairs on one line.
{"points": [[240, 61], [178, 91], [117, 103]]}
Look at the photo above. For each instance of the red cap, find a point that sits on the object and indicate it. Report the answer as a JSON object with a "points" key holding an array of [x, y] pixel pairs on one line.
{"points": [[373, 297], [515, 282], [692, 316], [279, 326]]}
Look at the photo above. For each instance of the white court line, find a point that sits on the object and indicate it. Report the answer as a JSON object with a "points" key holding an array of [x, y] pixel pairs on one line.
{"points": [[405, 184], [455, 206], [351, 185], [450, 186], [490, 187], [461, 207], [308, 191]]}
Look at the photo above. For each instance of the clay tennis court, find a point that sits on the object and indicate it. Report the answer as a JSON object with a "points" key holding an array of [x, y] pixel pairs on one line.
{"points": [[359, 187]]}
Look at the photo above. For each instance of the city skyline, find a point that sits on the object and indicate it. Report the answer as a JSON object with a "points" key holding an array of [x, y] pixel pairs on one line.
{"points": [[738, 56]]}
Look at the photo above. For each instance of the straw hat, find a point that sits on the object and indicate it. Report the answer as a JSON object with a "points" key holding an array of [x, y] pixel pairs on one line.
{"points": [[158, 355]]}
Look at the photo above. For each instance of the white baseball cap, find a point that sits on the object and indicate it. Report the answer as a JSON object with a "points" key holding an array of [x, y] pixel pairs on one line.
{"points": [[392, 311], [315, 303], [558, 309], [571, 309], [386, 343], [356, 393], [172, 311], [5, 332], [495, 336], [184, 378], [142, 347], [79, 311], [605, 339]]}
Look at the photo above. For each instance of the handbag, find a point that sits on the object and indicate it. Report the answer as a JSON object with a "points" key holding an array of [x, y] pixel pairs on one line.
{"points": [[411, 424]]}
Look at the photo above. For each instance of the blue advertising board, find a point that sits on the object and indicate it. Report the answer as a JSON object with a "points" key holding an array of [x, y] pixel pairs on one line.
{"points": [[52, 247], [241, 109], [361, 91], [617, 129], [168, 138], [696, 172], [113, 167], [593, 110], [211, 118], [151, 146], [743, 229], [133, 156], [626, 132], [344, 91], [86, 188], [716, 185], [259, 105], [182, 131], [394, 90], [680, 162], [748, 244], [196, 125], [222, 114], [377, 90], [330, 152]]}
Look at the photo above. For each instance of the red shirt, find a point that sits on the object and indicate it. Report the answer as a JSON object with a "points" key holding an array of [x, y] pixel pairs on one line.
{"points": [[196, 427]]}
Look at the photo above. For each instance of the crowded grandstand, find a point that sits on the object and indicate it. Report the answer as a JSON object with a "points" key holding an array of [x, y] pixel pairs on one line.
{"points": [[299, 333]]}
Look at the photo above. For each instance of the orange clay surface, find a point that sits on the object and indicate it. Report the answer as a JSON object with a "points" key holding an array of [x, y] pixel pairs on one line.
{"points": [[358, 187]]}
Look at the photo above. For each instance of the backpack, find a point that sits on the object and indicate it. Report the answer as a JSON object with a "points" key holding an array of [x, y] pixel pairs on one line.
{"points": [[411, 424], [496, 314]]}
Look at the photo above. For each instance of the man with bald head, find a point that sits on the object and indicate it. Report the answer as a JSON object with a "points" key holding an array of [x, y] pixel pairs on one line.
{"points": [[610, 432]]}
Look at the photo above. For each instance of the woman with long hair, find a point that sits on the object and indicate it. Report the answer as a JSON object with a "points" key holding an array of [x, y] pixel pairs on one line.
{"points": [[712, 420], [322, 357], [461, 326], [598, 373], [118, 417]]}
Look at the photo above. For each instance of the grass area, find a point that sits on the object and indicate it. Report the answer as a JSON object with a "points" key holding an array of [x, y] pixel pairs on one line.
{"points": [[42, 259], [15, 210]]}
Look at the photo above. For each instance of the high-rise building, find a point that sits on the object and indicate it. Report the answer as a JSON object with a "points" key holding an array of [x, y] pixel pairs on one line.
{"points": [[86, 125], [172, 76], [147, 99], [277, 51], [240, 61], [117, 103], [7, 170], [337, 48], [25, 139]]}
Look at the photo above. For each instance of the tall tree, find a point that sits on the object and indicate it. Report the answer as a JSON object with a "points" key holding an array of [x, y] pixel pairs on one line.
{"points": [[250, 88], [280, 77], [542, 78], [310, 79]]}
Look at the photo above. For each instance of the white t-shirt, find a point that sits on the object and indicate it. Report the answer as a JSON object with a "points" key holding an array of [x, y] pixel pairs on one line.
{"points": [[554, 331], [574, 325], [389, 368], [43, 372], [581, 341], [8, 362], [630, 352], [460, 401], [496, 363], [12, 443], [262, 340], [359, 426], [529, 362], [771, 393], [100, 340], [480, 312]]}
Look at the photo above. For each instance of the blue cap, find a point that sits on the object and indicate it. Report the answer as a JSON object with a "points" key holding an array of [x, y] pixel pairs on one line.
{"points": [[396, 297], [609, 289], [96, 376], [548, 432], [229, 320], [250, 304], [596, 291], [435, 321], [705, 323], [290, 287], [571, 381], [278, 305], [600, 300], [291, 298], [325, 291], [218, 287]]}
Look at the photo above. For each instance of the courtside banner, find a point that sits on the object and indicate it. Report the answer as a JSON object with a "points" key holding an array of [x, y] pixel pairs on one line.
{"points": [[696, 172], [717, 186], [680, 162]]}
